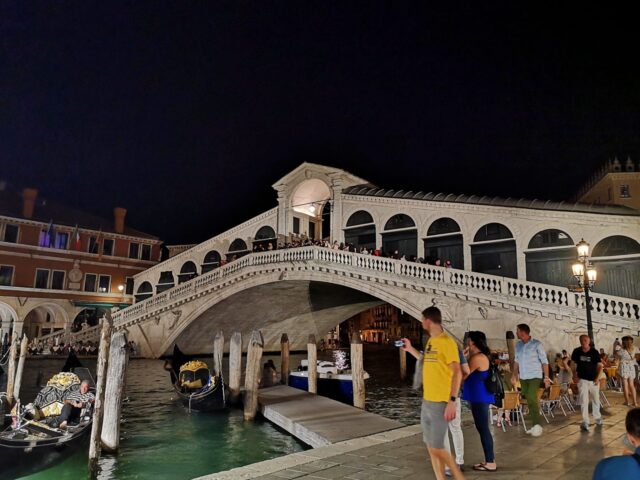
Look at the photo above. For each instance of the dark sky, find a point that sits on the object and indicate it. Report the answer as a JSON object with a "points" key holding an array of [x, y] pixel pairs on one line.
{"points": [[186, 112]]}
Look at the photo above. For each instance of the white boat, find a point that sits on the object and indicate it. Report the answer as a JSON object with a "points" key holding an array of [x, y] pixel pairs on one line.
{"points": [[332, 382]]}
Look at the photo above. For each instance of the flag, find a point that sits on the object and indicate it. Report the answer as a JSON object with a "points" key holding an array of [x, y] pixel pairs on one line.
{"points": [[99, 242], [75, 238]]}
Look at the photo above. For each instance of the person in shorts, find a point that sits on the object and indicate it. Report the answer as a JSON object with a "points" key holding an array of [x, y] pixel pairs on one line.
{"points": [[441, 378]]}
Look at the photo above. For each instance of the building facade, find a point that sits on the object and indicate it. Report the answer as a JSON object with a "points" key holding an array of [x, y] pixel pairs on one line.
{"points": [[617, 183], [59, 265]]}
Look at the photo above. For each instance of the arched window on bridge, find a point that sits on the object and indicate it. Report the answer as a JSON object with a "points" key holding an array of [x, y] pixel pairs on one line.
{"points": [[265, 236], [145, 290], [400, 235], [237, 249], [166, 282], [493, 251], [211, 261], [549, 257], [187, 272], [360, 230], [617, 261], [444, 242]]}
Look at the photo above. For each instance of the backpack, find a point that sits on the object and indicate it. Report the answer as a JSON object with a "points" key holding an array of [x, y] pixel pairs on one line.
{"points": [[493, 383]]}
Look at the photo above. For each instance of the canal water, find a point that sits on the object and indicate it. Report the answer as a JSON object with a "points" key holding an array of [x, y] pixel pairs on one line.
{"points": [[161, 440]]}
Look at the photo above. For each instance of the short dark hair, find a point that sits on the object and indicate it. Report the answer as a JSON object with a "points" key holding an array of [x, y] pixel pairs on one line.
{"points": [[524, 327], [632, 423], [433, 314]]}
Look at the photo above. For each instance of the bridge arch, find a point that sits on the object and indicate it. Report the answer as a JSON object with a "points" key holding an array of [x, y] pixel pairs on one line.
{"points": [[400, 234], [549, 256], [360, 230], [444, 241], [211, 261], [379, 295], [44, 317], [265, 238], [187, 271], [145, 290], [617, 261], [165, 282], [493, 251], [238, 248]]}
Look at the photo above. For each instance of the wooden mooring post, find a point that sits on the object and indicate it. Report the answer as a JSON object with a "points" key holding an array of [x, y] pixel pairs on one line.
{"points": [[511, 348], [11, 371], [23, 355], [403, 363], [101, 379], [218, 353], [235, 366], [114, 391], [284, 359], [312, 359], [357, 371], [252, 375]]}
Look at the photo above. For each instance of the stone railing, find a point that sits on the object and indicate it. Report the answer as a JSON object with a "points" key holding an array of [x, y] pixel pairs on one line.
{"points": [[508, 291], [90, 333]]}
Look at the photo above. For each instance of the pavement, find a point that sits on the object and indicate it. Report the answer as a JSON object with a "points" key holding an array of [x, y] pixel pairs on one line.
{"points": [[562, 452]]}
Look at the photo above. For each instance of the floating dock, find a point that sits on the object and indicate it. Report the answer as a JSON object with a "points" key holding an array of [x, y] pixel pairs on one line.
{"points": [[318, 421]]}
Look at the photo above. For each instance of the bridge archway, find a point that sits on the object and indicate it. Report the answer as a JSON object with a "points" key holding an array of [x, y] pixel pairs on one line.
{"points": [[145, 290], [265, 238], [307, 205], [400, 235], [44, 318], [617, 261], [237, 249], [444, 241], [360, 230], [187, 272], [549, 257], [211, 261], [493, 251], [165, 282]]}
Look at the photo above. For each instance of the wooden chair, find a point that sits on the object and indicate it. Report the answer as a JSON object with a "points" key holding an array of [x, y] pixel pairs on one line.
{"points": [[553, 401], [511, 403]]}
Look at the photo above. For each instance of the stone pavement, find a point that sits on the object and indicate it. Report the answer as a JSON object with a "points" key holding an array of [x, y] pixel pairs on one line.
{"points": [[562, 452]]}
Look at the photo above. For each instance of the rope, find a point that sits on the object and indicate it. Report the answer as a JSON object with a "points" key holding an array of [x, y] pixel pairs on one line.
{"points": [[5, 358]]}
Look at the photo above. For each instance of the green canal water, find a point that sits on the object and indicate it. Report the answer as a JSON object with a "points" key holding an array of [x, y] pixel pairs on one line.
{"points": [[161, 440]]}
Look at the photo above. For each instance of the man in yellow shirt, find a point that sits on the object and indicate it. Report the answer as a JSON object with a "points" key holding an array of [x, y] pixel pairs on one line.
{"points": [[441, 377]]}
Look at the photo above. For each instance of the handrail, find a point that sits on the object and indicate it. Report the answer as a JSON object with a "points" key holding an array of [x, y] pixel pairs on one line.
{"points": [[513, 291]]}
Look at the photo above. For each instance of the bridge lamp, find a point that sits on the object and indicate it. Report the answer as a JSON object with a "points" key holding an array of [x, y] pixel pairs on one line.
{"points": [[312, 208], [121, 288], [586, 275]]}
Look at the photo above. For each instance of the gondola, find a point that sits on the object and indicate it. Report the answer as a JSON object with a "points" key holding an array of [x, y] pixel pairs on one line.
{"points": [[33, 442], [197, 389]]}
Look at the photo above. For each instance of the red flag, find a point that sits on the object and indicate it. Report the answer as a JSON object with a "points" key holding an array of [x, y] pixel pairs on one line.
{"points": [[75, 238], [99, 242]]}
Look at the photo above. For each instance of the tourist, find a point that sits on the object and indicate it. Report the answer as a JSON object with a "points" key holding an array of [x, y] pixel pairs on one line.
{"points": [[587, 368], [604, 358], [529, 366], [476, 393], [623, 467], [455, 425], [74, 403], [627, 370], [563, 369], [441, 377]]}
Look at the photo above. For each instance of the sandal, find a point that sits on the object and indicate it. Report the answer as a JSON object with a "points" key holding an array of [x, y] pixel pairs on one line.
{"points": [[482, 467]]}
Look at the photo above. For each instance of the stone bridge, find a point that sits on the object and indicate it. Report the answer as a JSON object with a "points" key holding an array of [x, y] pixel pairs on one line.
{"points": [[311, 289]]}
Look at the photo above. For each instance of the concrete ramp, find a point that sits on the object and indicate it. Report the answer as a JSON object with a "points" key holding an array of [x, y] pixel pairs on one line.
{"points": [[316, 420]]}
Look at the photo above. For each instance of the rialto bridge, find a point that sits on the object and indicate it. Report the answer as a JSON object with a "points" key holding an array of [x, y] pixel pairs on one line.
{"points": [[510, 263]]}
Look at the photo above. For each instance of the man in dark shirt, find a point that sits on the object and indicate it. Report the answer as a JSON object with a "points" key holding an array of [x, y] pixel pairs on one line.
{"points": [[587, 366], [74, 403]]}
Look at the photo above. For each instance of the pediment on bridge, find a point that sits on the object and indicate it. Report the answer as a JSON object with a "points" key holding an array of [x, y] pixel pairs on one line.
{"points": [[308, 171]]}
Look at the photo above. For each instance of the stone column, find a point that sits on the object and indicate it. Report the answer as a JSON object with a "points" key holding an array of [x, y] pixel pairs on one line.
{"points": [[283, 213], [467, 256], [18, 326], [337, 233]]}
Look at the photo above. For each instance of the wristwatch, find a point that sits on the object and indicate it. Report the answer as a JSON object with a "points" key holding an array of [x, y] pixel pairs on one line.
{"points": [[453, 399]]}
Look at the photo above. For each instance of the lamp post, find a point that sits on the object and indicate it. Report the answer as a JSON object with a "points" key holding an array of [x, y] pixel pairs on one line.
{"points": [[585, 273]]}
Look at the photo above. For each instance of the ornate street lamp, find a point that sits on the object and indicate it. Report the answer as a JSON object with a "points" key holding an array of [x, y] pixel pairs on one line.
{"points": [[586, 274]]}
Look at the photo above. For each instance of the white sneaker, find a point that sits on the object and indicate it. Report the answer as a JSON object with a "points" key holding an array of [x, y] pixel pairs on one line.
{"points": [[535, 431]]}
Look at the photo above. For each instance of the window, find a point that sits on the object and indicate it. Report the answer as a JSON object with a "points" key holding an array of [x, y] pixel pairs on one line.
{"points": [[146, 252], [93, 245], [107, 246], [624, 191], [129, 287], [11, 233], [42, 278], [61, 240], [296, 225], [57, 280], [134, 250], [6, 275], [45, 239], [90, 282], [104, 284]]}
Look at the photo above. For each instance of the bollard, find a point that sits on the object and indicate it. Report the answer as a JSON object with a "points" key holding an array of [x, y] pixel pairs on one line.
{"points": [[284, 359], [252, 375], [235, 366], [114, 391], [403, 364], [218, 353], [23, 355], [11, 372], [101, 378], [357, 372], [312, 359], [511, 348]]}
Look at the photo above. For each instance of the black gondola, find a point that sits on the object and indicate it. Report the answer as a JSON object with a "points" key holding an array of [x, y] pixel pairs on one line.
{"points": [[33, 443], [197, 389]]}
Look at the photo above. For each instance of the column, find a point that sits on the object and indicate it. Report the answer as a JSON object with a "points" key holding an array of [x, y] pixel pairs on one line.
{"points": [[282, 227], [467, 256], [337, 234]]}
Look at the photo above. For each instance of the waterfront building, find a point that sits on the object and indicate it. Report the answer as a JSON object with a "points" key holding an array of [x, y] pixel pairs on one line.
{"points": [[59, 265], [616, 183], [488, 263]]}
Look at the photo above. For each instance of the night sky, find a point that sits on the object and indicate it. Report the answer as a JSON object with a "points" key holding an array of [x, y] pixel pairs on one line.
{"points": [[186, 112]]}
